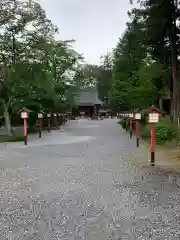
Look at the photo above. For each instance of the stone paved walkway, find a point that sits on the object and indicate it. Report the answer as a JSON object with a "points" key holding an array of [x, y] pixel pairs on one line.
{"points": [[79, 183]]}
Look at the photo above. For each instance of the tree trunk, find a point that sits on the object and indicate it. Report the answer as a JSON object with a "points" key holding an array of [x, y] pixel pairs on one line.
{"points": [[7, 121], [161, 104], [176, 110]]}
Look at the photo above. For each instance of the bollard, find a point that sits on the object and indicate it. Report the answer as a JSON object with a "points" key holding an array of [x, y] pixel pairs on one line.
{"points": [[153, 119], [137, 133], [130, 123], [24, 116], [137, 117], [40, 127], [49, 122], [130, 133], [25, 131], [153, 139], [40, 117], [126, 124], [59, 119], [55, 120]]}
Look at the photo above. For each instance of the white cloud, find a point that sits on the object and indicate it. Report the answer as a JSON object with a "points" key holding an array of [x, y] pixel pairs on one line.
{"points": [[96, 25]]}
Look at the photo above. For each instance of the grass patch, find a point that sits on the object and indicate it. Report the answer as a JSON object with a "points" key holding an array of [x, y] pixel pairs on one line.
{"points": [[122, 122], [14, 138], [165, 131]]}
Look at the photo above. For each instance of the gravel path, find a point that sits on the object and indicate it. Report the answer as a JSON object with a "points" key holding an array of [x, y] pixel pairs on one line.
{"points": [[78, 183]]}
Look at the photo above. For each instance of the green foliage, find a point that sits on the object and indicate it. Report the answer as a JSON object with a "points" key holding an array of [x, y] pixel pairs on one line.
{"points": [[165, 131], [123, 123], [14, 138], [104, 79], [35, 68], [145, 131], [89, 75], [141, 69]]}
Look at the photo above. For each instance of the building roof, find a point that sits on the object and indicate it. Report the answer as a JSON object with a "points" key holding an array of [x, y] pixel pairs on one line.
{"points": [[154, 109], [87, 97], [24, 110]]}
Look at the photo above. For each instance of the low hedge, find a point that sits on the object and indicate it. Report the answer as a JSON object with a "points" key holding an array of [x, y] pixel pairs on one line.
{"points": [[122, 122], [145, 131], [14, 138], [165, 131]]}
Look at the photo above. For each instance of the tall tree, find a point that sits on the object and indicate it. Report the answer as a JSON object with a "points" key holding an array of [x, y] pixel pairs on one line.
{"points": [[170, 18], [33, 64], [141, 60], [104, 78]]}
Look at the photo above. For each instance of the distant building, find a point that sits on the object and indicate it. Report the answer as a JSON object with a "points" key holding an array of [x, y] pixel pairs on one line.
{"points": [[86, 102]]}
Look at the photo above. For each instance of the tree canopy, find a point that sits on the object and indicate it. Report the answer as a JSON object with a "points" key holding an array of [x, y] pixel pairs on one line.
{"points": [[141, 69], [37, 71], [35, 68], [142, 60]]}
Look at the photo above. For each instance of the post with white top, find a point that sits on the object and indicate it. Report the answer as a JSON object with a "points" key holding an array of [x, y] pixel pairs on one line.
{"points": [[131, 115], [40, 117], [138, 118], [153, 119], [49, 122], [24, 116], [55, 120]]}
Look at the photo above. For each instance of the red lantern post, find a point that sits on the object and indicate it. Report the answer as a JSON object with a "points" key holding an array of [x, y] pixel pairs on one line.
{"points": [[130, 123], [55, 120], [153, 120], [59, 119], [49, 121], [40, 117], [24, 116], [137, 117], [127, 119]]}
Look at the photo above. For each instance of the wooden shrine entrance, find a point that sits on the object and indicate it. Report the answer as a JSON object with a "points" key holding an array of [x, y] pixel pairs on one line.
{"points": [[87, 103]]}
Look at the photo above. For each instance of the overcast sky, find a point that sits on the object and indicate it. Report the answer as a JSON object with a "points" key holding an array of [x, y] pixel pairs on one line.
{"points": [[96, 25]]}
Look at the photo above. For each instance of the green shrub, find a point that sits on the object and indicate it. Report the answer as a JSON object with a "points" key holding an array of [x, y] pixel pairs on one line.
{"points": [[145, 131], [123, 123], [134, 124], [165, 130], [143, 120], [14, 138]]}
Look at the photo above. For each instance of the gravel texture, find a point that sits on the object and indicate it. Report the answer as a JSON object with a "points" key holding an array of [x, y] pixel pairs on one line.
{"points": [[78, 183]]}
